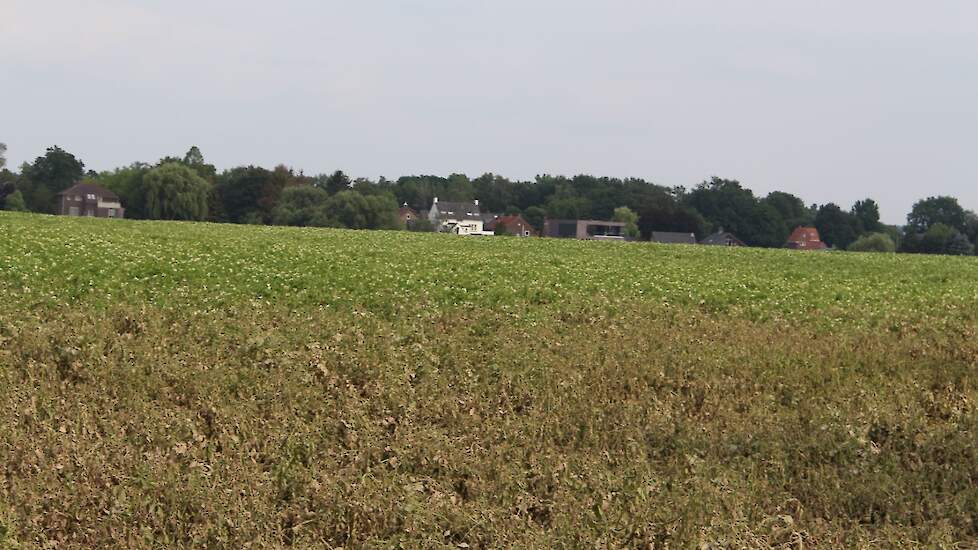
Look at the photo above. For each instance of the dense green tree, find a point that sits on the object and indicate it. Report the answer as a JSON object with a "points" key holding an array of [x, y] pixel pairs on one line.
{"points": [[299, 205], [355, 211], [248, 191], [724, 203], [127, 182], [535, 216], [837, 227], [14, 202], [333, 183], [421, 225], [791, 209], [959, 245], [934, 210], [936, 239], [873, 242], [175, 192], [50, 174], [568, 208], [867, 213], [630, 218], [195, 159]]}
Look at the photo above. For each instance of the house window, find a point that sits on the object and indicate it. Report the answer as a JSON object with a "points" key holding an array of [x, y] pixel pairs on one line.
{"points": [[72, 210], [90, 196], [111, 212], [78, 198]]}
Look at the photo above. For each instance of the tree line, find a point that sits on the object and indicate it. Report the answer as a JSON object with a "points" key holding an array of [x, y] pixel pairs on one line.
{"points": [[188, 188]]}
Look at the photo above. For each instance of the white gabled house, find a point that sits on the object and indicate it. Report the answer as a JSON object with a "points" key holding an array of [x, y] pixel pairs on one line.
{"points": [[462, 218]]}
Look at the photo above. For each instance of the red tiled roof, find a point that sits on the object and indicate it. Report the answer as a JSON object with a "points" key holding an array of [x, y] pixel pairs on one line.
{"points": [[513, 223], [805, 238]]}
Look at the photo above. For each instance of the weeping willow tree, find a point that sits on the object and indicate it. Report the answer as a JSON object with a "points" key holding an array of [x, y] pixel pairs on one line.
{"points": [[174, 191]]}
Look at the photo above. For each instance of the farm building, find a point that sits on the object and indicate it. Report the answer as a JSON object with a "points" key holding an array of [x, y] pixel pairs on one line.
{"points": [[462, 218], [668, 237], [407, 214], [512, 225], [584, 229], [722, 238], [805, 238], [88, 199]]}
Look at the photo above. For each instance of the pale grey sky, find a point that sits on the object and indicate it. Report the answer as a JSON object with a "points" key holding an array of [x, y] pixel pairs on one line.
{"points": [[832, 100]]}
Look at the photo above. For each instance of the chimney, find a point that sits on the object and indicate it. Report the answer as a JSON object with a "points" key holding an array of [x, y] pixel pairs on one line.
{"points": [[476, 201], [436, 200]]}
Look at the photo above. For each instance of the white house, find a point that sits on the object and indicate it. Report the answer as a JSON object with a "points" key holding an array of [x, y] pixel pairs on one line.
{"points": [[462, 218]]}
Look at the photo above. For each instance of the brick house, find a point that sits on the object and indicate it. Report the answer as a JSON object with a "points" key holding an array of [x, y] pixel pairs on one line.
{"points": [[805, 238], [407, 214], [88, 199], [512, 225]]}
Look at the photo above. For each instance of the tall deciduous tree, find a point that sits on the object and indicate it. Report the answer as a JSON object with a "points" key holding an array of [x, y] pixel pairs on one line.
{"points": [[837, 227], [50, 174], [630, 219], [299, 205], [14, 202], [175, 191], [867, 212], [933, 210]]}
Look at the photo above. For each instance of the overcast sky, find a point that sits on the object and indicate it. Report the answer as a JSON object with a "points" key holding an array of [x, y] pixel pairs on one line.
{"points": [[831, 100]]}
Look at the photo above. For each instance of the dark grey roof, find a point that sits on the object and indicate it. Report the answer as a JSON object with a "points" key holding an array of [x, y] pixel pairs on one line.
{"points": [[86, 188], [458, 210], [723, 239], [668, 237]]}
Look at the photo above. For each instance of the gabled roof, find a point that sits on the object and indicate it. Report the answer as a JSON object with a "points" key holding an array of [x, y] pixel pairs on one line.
{"points": [[85, 188], [805, 238], [458, 210], [515, 222], [723, 238], [668, 237], [405, 210]]}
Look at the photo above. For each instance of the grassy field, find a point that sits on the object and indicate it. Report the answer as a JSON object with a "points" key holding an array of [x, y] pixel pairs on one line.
{"points": [[181, 385]]}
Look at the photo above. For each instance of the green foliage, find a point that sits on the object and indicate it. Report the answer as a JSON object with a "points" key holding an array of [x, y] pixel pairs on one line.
{"points": [[873, 242], [936, 239], [195, 160], [936, 210], [535, 216], [353, 210], [50, 174], [213, 385], [334, 183], [837, 227], [128, 184], [959, 245], [247, 192], [421, 225], [726, 204], [867, 213], [791, 209], [14, 202], [299, 205], [174, 191], [629, 218]]}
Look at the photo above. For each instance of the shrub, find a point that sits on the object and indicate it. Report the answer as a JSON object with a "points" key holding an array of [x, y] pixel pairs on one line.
{"points": [[873, 242]]}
